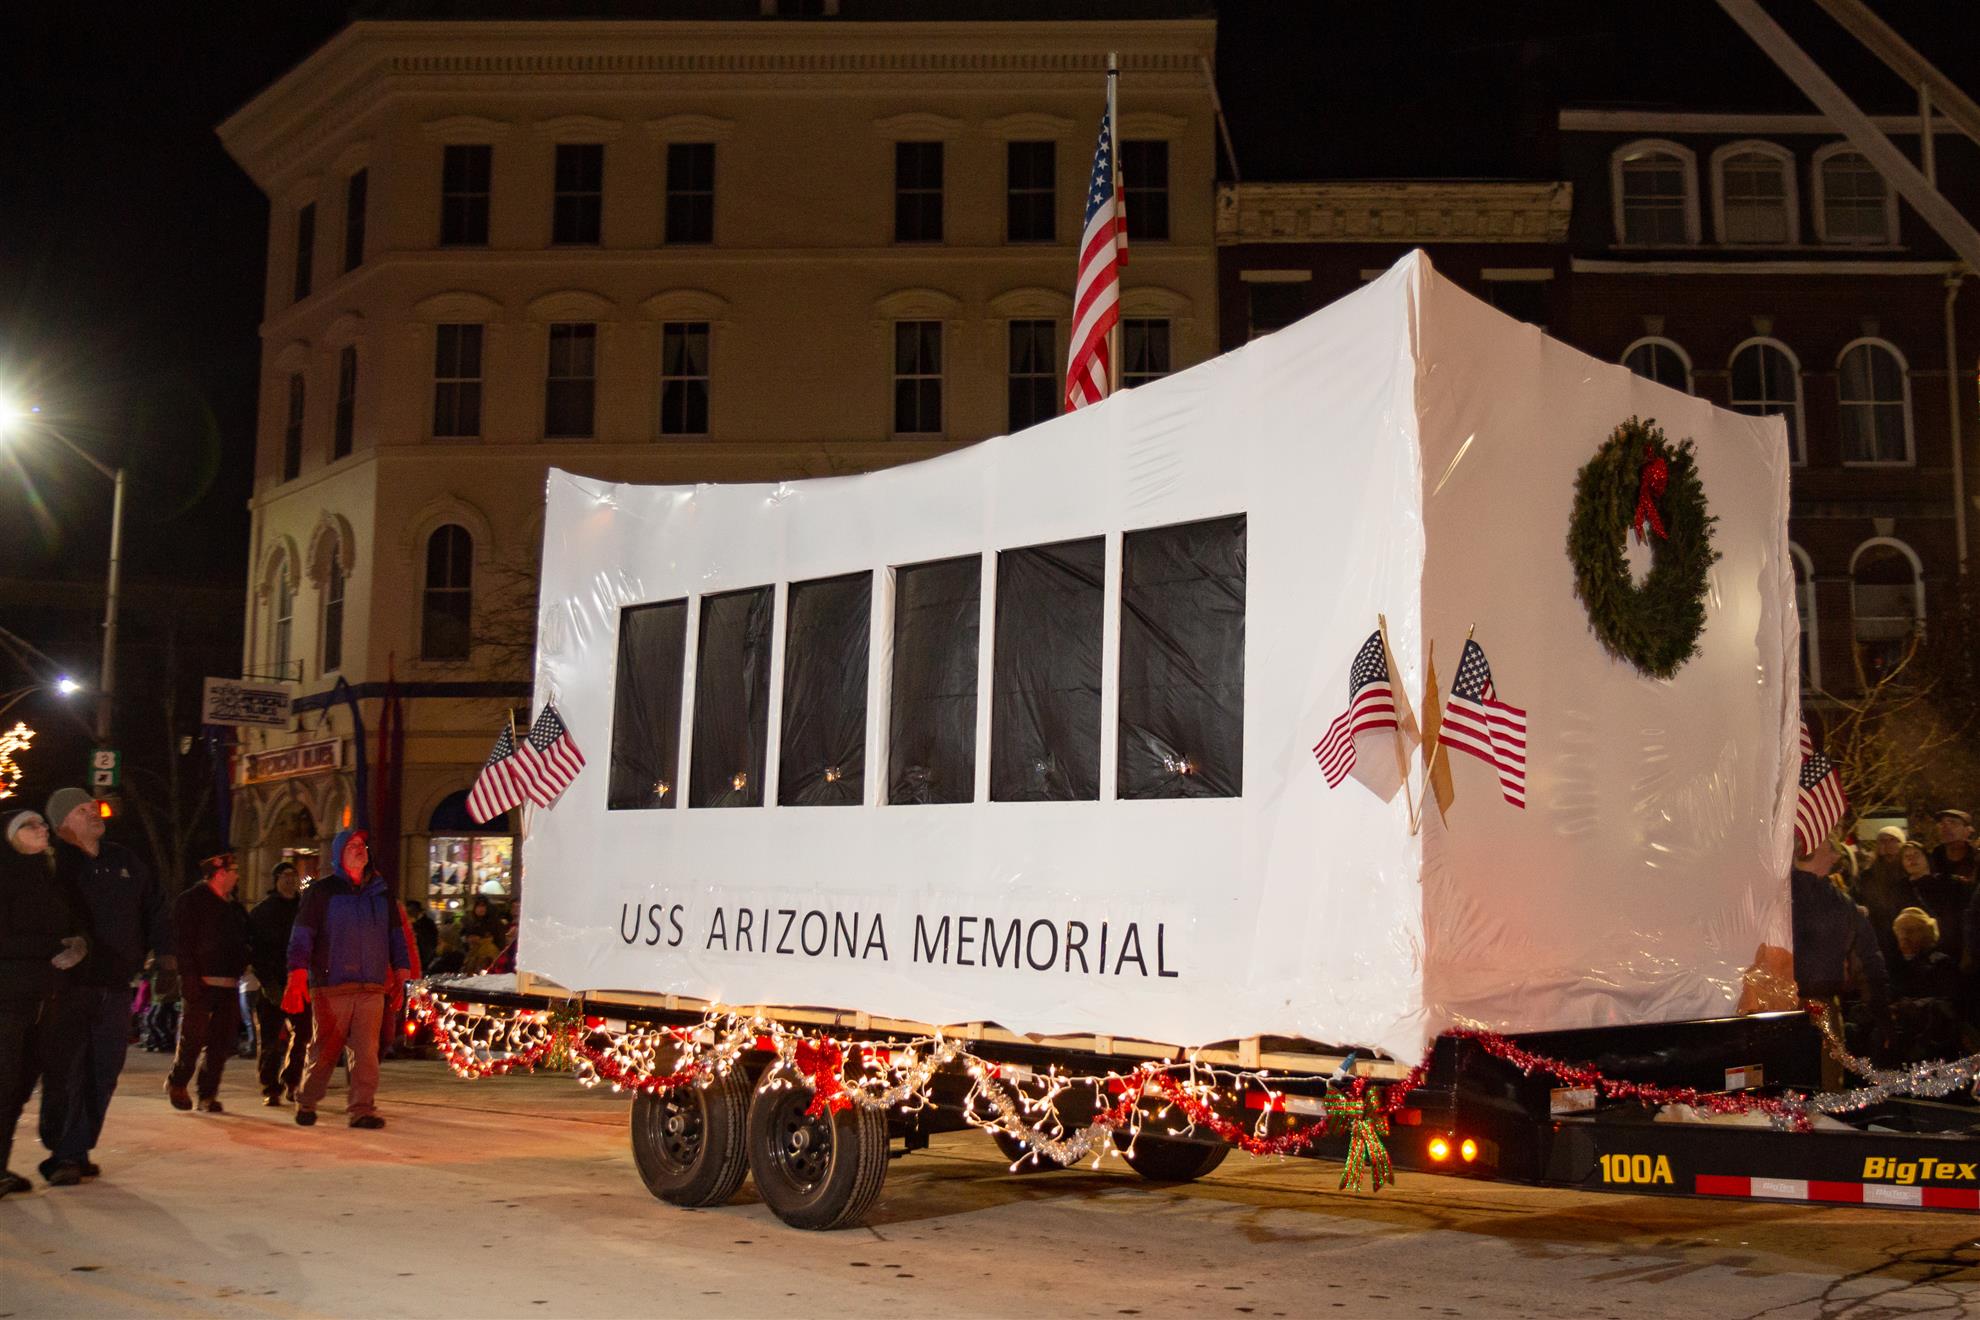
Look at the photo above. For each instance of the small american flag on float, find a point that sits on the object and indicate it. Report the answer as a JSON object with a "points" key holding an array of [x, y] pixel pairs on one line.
{"points": [[1820, 804], [548, 759], [1476, 721], [1371, 706]]}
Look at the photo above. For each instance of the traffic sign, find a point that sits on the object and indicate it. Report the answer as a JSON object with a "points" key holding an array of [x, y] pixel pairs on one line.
{"points": [[106, 769]]}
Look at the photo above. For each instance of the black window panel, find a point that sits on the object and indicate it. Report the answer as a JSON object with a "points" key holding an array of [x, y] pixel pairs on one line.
{"points": [[1524, 300], [917, 377], [1031, 195], [570, 392], [1045, 674], [333, 615], [1275, 305], [305, 250], [457, 380], [580, 193], [355, 189], [464, 189], [646, 707], [1145, 181], [292, 432], [917, 192], [1182, 661], [684, 378], [341, 434], [1034, 374], [1145, 350], [822, 758], [447, 608], [931, 722], [731, 699], [690, 192]]}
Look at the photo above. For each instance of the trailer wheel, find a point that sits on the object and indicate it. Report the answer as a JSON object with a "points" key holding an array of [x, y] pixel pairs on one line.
{"points": [[1165, 1159], [688, 1142], [1028, 1159], [817, 1172]]}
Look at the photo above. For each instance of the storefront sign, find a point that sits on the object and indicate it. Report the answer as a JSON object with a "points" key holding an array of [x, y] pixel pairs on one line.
{"points": [[236, 701], [288, 762]]}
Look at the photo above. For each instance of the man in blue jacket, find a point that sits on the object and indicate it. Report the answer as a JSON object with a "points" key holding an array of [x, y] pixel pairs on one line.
{"points": [[348, 960]]}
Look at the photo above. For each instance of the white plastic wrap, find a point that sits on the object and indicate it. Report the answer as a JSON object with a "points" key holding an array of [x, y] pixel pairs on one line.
{"points": [[1645, 872]]}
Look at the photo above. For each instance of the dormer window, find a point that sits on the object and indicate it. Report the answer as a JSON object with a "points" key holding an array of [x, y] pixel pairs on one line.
{"points": [[1756, 193]]}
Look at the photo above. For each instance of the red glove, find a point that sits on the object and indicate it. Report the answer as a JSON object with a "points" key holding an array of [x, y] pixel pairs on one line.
{"points": [[295, 996]]}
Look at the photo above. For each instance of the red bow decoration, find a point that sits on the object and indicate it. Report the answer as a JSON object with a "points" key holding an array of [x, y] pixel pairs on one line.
{"points": [[1655, 477]]}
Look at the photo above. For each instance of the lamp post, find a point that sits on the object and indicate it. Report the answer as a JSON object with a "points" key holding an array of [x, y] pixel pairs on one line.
{"points": [[64, 686], [13, 420]]}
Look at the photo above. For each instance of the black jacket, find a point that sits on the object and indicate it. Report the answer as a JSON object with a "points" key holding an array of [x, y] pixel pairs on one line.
{"points": [[1832, 939], [426, 937], [211, 934], [122, 907], [269, 926], [1931, 975], [35, 915]]}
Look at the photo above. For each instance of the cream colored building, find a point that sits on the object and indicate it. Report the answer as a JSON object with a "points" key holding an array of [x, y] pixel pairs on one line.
{"points": [[834, 234]]}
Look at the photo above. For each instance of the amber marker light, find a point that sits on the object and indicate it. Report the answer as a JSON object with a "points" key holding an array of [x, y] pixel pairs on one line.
{"points": [[1440, 1149], [1468, 1150]]}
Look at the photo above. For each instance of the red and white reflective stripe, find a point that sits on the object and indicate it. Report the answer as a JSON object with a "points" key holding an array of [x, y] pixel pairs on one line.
{"points": [[1287, 1104], [1840, 1193]]}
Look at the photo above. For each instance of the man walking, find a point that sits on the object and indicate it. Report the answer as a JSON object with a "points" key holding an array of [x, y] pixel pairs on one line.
{"points": [[212, 936], [282, 1039], [1955, 855], [348, 960], [89, 1023]]}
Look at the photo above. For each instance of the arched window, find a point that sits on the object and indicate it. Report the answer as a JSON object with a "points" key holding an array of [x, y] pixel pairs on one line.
{"points": [[1853, 203], [1766, 382], [1660, 360], [1756, 201], [333, 613], [1887, 604], [281, 622], [1804, 608], [1656, 203], [447, 605], [1874, 390]]}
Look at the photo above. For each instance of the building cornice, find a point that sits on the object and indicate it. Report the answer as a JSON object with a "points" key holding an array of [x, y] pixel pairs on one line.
{"points": [[1428, 212], [1624, 120], [1600, 266], [342, 80]]}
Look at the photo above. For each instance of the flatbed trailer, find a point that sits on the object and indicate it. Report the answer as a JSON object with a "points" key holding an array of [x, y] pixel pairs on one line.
{"points": [[1467, 1113]]}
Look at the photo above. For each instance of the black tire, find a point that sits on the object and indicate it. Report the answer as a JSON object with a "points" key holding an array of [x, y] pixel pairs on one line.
{"points": [[815, 1173], [688, 1142], [1167, 1160], [1027, 1159]]}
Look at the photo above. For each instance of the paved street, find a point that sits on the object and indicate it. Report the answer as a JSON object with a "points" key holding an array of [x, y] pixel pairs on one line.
{"points": [[517, 1197]]}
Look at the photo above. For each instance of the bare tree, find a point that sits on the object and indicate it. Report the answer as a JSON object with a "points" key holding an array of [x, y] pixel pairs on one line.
{"points": [[1894, 742], [171, 810], [504, 633]]}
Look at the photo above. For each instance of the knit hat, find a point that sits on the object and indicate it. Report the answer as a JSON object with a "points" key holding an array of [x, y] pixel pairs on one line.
{"points": [[63, 801], [21, 819], [1892, 832]]}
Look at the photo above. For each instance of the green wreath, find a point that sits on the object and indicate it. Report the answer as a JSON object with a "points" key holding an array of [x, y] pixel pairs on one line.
{"points": [[1639, 480]]}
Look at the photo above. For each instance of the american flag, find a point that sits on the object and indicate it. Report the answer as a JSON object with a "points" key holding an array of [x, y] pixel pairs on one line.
{"points": [[1371, 706], [1820, 804], [1476, 721], [1090, 369], [548, 759], [496, 789]]}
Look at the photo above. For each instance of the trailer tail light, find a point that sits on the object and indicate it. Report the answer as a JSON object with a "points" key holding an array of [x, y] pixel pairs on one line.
{"points": [[1468, 1150], [1408, 1118], [1440, 1149]]}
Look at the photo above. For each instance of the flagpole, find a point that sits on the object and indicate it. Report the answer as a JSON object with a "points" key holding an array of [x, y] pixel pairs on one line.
{"points": [[1115, 367], [1437, 738], [1402, 753]]}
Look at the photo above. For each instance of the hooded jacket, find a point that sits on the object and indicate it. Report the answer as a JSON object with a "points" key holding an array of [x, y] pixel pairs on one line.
{"points": [[347, 929], [35, 915]]}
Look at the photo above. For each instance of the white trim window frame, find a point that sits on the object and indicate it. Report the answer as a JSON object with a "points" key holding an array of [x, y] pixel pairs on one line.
{"points": [[1917, 595], [1764, 404], [1639, 154], [1878, 408], [1787, 206], [1674, 348], [1820, 184], [1807, 607]]}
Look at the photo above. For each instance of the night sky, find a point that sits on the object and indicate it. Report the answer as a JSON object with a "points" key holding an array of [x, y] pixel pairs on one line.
{"points": [[131, 248]]}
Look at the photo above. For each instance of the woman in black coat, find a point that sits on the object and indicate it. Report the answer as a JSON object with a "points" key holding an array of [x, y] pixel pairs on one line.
{"points": [[40, 934], [1924, 992]]}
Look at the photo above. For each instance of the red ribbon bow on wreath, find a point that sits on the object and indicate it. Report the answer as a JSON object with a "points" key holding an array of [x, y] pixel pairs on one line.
{"points": [[1656, 475]]}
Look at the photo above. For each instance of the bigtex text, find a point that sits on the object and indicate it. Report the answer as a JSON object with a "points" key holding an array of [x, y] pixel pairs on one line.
{"points": [[1098, 948]]}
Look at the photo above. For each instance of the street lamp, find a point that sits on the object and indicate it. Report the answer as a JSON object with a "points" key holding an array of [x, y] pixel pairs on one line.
{"points": [[15, 419], [63, 687]]}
